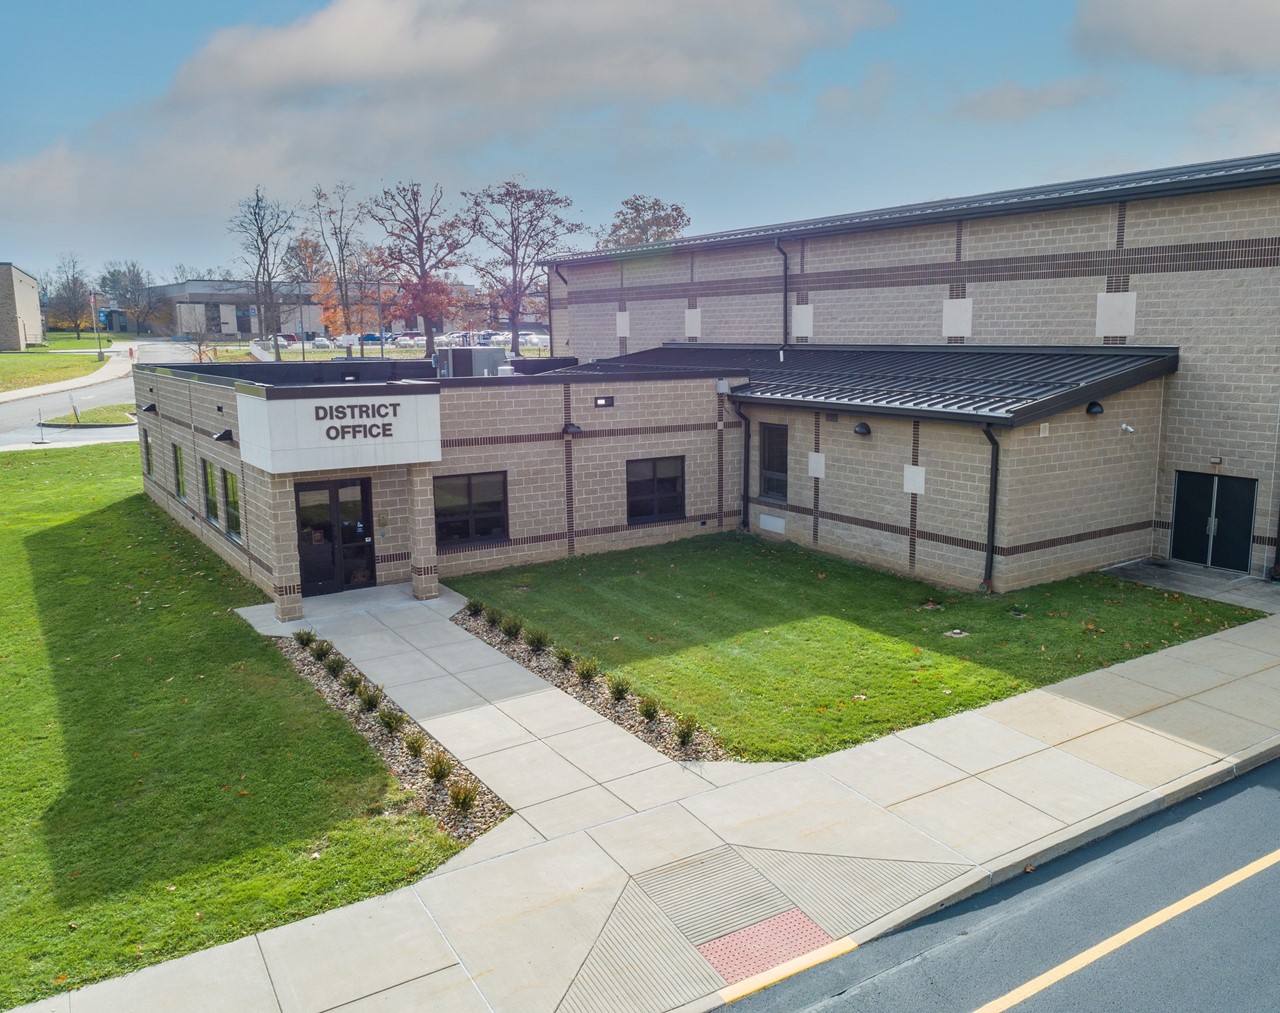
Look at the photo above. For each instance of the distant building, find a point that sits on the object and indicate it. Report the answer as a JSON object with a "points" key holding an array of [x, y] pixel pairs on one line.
{"points": [[20, 322], [230, 307]]}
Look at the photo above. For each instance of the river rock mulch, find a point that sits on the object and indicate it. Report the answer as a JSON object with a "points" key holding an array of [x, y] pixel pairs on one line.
{"points": [[659, 733], [421, 793]]}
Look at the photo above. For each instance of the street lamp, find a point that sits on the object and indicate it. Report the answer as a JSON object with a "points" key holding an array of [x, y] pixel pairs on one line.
{"points": [[93, 312]]}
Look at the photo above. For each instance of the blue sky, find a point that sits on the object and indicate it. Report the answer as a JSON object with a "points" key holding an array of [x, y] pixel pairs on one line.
{"points": [[130, 129]]}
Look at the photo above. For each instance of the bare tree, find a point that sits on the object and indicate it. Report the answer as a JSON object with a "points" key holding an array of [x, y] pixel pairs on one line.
{"points": [[262, 227], [132, 288], [640, 220], [522, 226], [185, 272], [423, 239], [69, 300], [337, 218]]}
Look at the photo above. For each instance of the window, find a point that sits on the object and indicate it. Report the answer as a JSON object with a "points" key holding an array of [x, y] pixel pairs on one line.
{"points": [[210, 493], [147, 463], [179, 482], [655, 490], [471, 508], [231, 493], [773, 461]]}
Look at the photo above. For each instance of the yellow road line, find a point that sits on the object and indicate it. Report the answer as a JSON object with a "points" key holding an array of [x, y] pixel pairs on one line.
{"points": [[1094, 953], [793, 966]]}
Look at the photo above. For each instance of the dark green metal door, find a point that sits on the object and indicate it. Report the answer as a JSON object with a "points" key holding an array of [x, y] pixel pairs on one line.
{"points": [[1213, 520]]}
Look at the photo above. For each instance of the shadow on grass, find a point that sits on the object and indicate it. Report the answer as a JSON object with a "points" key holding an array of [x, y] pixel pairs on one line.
{"points": [[188, 740]]}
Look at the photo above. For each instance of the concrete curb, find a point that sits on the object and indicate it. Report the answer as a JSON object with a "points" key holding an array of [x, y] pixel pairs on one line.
{"points": [[88, 425]]}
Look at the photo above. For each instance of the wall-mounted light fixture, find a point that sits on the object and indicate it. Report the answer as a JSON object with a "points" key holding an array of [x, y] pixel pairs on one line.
{"points": [[571, 429], [150, 408], [1126, 428], [1094, 408], [605, 401], [862, 429], [224, 436]]}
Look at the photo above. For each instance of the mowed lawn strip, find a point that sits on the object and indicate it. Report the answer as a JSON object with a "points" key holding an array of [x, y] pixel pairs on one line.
{"points": [[167, 781], [30, 369], [787, 654], [66, 341]]}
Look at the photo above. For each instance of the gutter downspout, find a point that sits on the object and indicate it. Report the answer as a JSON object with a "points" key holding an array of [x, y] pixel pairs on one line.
{"points": [[551, 331], [993, 484], [745, 523], [786, 271]]}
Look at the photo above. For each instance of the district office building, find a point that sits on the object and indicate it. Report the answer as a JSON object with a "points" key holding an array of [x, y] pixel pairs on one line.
{"points": [[20, 320], [985, 392]]}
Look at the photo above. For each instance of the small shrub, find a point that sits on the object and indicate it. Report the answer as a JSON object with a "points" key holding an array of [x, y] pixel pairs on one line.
{"points": [[648, 707], [416, 743], [511, 627], [321, 649], [619, 686], [370, 696], [304, 638], [686, 726], [563, 655], [474, 606], [439, 766], [492, 615], [391, 719], [587, 668], [334, 665], [352, 680], [537, 639], [463, 794]]}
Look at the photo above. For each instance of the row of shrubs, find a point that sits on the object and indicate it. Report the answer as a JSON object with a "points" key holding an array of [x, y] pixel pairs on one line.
{"points": [[587, 669], [439, 765]]}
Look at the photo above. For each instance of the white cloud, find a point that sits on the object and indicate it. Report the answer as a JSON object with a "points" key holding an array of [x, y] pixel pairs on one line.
{"points": [[841, 105], [1240, 123], [1233, 37], [375, 90], [1014, 101]]}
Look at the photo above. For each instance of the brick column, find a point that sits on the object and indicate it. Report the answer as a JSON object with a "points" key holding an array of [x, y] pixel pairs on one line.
{"points": [[282, 523], [422, 533]]}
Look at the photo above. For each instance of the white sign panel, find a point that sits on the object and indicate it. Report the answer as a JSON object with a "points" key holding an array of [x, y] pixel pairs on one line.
{"points": [[355, 430]]}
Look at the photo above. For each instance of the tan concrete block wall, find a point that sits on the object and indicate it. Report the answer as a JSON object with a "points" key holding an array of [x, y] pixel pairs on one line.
{"points": [[587, 330], [655, 321], [1253, 213], [920, 244], [671, 269], [19, 310], [740, 318], [1066, 231], [738, 262], [852, 316], [1041, 312]]}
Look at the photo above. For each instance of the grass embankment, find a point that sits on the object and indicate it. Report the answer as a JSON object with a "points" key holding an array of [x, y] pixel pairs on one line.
{"points": [[30, 369], [107, 414], [167, 782], [66, 341], [787, 654]]}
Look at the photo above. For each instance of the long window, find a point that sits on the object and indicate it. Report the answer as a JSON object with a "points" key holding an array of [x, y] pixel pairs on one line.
{"points": [[231, 493], [179, 480], [773, 461], [471, 508], [146, 452], [655, 489], [210, 492]]}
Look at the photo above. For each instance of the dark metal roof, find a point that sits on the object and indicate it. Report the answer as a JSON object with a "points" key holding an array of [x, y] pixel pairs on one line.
{"points": [[1001, 384], [1201, 177]]}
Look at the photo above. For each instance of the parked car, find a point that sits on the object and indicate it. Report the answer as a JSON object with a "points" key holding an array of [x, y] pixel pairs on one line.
{"points": [[407, 341], [285, 339], [322, 342]]}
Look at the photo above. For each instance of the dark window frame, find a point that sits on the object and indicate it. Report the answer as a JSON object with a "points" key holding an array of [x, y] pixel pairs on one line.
{"points": [[209, 481], [652, 503], [231, 495], [448, 524], [179, 476], [773, 483], [148, 463]]}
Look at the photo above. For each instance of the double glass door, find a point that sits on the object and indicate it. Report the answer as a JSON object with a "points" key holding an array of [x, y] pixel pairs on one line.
{"points": [[335, 535]]}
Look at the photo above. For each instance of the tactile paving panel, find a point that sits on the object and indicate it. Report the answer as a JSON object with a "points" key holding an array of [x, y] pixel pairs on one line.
{"points": [[763, 946]]}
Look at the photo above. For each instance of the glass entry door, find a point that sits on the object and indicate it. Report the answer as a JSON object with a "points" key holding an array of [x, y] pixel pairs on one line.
{"points": [[335, 535]]}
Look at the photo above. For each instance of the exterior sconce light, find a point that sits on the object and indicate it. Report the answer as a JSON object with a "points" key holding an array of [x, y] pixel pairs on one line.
{"points": [[150, 407], [571, 429], [224, 436], [862, 429], [1126, 428], [1095, 408]]}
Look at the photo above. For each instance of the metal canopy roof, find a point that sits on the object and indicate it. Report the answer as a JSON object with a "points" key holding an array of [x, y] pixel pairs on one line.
{"points": [[998, 384], [1201, 177]]}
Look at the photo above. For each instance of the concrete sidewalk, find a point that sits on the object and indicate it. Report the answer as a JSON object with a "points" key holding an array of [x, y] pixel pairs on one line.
{"points": [[628, 882]]}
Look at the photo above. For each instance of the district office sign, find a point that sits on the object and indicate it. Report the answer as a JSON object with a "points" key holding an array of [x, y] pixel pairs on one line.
{"points": [[325, 428]]}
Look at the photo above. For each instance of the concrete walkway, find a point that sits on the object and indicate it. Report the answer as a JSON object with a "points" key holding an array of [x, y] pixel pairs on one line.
{"points": [[115, 365], [628, 882]]}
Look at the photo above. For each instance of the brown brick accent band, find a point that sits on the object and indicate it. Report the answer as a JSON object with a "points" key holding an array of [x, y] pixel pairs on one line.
{"points": [[283, 589], [719, 460], [505, 543], [425, 571], [392, 557], [817, 483], [1082, 536], [615, 529], [497, 441]]}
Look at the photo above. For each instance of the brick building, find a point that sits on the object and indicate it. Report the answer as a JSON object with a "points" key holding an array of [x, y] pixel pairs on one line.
{"points": [[20, 320], [992, 391]]}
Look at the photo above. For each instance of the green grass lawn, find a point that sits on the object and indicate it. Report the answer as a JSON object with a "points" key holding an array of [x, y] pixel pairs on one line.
{"points": [[63, 341], [786, 654], [30, 369], [116, 414], [165, 777]]}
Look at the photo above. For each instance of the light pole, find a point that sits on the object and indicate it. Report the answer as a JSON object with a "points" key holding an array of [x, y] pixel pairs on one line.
{"points": [[93, 312]]}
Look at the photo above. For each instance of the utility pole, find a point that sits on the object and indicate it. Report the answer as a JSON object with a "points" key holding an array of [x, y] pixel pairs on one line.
{"points": [[93, 312]]}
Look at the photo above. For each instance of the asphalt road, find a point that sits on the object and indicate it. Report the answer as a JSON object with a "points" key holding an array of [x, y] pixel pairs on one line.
{"points": [[1223, 954]]}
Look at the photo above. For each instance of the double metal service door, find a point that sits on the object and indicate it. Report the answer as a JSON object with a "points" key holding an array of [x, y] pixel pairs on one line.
{"points": [[335, 535], [1213, 519]]}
